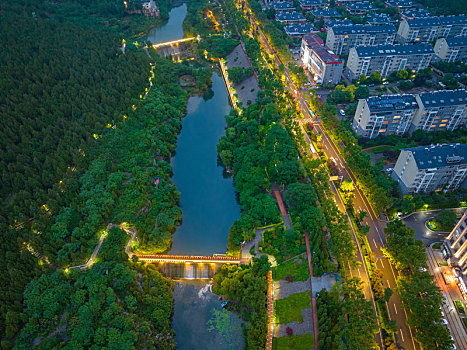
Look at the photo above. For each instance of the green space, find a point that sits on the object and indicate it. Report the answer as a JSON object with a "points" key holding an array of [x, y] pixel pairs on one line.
{"points": [[297, 271], [244, 286], [465, 321], [289, 309], [417, 288], [444, 221], [460, 307], [293, 342], [437, 245]]}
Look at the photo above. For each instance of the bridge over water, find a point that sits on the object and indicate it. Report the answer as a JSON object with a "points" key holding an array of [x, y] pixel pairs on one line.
{"points": [[190, 266], [173, 48]]}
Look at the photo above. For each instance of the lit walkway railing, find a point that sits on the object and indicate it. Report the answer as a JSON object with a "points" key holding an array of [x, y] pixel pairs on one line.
{"points": [[191, 259]]}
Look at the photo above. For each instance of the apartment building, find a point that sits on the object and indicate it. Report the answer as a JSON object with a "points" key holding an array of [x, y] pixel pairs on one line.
{"points": [[441, 110], [419, 13], [341, 38], [326, 13], [451, 49], [329, 23], [427, 29], [380, 19], [282, 6], [312, 4], [454, 250], [402, 5], [298, 30], [290, 17], [364, 60], [384, 115], [398, 114], [360, 8], [431, 168], [325, 66]]}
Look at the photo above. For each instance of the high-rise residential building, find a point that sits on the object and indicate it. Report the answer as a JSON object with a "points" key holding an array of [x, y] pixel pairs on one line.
{"points": [[428, 29], [341, 38], [441, 110], [386, 59], [431, 168], [384, 115], [451, 49], [325, 66], [454, 250], [398, 114]]}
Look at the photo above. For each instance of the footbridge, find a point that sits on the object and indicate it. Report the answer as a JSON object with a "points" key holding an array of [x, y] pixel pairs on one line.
{"points": [[173, 48], [196, 259]]}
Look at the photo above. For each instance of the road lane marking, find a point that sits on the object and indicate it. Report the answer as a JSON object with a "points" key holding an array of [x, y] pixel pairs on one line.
{"points": [[376, 246], [359, 274], [388, 283], [389, 314], [402, 335], [395, 309]]}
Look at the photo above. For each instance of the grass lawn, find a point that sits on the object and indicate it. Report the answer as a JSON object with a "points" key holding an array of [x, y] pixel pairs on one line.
{"points": [[437, 245], [293, 342], [465, 321], [289, 309], [381, 149], [436, 226], [460, 307], [299, 272]]}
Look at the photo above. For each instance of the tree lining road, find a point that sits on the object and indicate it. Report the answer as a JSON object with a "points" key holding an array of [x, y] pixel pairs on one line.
{"points": [[375, 236]]}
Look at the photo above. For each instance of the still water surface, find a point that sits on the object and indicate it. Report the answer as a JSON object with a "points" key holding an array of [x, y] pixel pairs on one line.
{"points": [[172, 30], [209, 208]]}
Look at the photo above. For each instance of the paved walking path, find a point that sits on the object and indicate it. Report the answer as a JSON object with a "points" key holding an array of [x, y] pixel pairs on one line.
{"points": [[255, 242]]}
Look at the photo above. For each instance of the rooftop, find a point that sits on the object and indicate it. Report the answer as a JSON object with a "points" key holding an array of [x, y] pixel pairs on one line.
{"points": [[460, 40], [439, 156], [391, 50], [461, 19], [315, 43], [400, 3], [416, 13], [360, 6], [289, 16], [281, 6], [382, 19], [444, 98], [299, 29], [311, 2], [326, 13], [329, 23], [361, 29], [423, 21], [391, 103]]}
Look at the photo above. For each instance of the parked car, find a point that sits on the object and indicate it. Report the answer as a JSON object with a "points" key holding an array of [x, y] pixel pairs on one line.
{"points": [[342, 112], [444, 322], [399, 215]]}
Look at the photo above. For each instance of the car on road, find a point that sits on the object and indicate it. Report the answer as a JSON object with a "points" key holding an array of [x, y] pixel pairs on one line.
{"points": [[388, 170], [444, 322], [399, 215]]}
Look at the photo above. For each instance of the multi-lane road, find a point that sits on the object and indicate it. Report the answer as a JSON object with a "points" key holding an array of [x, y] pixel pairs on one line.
{"points": [[376, 237]]}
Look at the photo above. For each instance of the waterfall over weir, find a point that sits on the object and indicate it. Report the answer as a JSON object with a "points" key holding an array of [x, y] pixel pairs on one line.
{"points": [[189, 271]]}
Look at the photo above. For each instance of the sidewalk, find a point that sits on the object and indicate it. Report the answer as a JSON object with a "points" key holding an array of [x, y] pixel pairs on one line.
{"points": [[451, 293]]}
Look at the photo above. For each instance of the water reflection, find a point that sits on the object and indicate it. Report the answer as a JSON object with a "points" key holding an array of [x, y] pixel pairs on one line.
{"points": [[199, 321], [172, 30]]}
